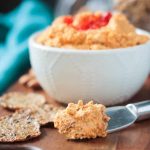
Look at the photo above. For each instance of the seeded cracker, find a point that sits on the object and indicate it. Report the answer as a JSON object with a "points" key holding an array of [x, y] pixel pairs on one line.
{"points": [[43, 114], [17, 100], [18, 127]]}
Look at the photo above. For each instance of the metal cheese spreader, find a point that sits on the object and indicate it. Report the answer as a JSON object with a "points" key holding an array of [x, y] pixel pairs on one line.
{"points": [[124, 116]]}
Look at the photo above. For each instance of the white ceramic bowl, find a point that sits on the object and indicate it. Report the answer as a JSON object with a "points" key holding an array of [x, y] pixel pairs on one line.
{"points": [[105, 76]]}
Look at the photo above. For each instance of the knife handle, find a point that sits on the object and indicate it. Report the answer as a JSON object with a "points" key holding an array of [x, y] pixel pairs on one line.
{"points": [[140, 109]]}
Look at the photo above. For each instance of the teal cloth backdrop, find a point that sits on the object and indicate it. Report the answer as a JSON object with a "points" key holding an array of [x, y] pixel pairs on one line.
{"points": [[15, 29]]}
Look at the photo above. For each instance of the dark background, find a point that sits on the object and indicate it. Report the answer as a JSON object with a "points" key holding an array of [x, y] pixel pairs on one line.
{"points": [[8, 5]]}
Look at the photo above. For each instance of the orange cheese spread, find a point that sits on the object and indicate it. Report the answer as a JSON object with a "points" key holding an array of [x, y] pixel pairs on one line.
{"points": [[91, 31], [79, 121]]}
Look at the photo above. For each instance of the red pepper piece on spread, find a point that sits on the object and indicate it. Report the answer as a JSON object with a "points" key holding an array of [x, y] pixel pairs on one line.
{"points": [[90, 21], [106, 17], [68, 20]]}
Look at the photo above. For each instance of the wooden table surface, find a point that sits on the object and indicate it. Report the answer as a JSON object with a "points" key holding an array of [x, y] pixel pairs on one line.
{"points": [[135, 137]]}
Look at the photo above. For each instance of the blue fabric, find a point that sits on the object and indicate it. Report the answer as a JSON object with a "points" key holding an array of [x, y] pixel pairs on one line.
{"points": [[15, 29]]}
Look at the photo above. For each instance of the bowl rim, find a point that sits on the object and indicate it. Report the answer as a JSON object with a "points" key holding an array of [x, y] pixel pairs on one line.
{"points": [[33, 43]]}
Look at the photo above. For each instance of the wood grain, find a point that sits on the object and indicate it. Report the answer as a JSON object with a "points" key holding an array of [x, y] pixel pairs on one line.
{"points": [[136, 137]]}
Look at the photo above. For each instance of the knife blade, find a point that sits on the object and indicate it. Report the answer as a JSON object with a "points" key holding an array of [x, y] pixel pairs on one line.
{"points": [[124, 116]]}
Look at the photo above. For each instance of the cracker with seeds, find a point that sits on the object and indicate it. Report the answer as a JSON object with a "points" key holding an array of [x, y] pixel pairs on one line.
{"points": [[18, 100], [43, 114], [18, 127]]}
